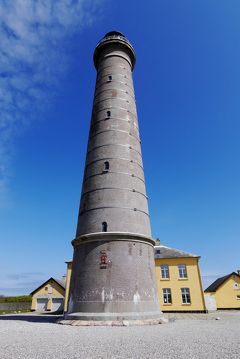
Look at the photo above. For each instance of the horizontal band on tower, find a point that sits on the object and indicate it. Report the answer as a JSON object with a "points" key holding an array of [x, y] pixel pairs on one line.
{"points": [[123, 79], [111, 70], [117, 188], [105, 236], [120, 173], [113, 158], [105, 79], [120, 82], [113, 207], [114, 144], [114, 67], [113, 98], [113, 130], [107, 56], [114, 89], [113, 118], [117, 108], [113, 73]]}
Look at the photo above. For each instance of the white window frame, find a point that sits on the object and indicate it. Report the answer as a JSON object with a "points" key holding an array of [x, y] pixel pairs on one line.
{"points": [[167, 296], [186, 298], [164, 270], [182, 271]]}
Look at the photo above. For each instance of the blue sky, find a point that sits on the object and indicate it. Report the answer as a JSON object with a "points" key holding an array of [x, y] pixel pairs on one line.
{"points": [[187, 84]]}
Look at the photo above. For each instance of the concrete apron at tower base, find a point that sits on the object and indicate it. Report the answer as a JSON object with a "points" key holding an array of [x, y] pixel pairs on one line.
{"points": [[106, 280], [112, 323], [114, 316]]}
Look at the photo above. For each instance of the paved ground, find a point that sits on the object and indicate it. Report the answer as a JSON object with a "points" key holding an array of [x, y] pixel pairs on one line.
{"points": [[185, 336]]}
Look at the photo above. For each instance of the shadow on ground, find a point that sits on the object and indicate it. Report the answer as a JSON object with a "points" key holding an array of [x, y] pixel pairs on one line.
{"points": [[34, 318]]}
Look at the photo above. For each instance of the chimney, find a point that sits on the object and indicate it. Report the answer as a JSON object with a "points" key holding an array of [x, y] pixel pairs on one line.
{"points": [[157, 242]]}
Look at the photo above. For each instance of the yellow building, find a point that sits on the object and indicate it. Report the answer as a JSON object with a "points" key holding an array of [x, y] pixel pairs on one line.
{"points": [[49, 296], [224, 293], [178, 280]]}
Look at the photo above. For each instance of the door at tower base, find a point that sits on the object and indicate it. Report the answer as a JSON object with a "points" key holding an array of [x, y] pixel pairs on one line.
{"points": [[113, 275]]}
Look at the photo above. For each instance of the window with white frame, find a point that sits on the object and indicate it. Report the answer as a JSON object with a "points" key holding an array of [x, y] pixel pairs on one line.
{"points": [[185, 296], [167, 296], [164, 271], [182, 270]]}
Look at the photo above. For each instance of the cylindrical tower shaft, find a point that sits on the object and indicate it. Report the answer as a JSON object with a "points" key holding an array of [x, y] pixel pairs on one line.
{"points": [[113, 267], [113, 187]]}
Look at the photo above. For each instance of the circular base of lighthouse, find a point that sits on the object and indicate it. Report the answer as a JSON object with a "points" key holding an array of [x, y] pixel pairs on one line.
{"points": [[113, 278]]}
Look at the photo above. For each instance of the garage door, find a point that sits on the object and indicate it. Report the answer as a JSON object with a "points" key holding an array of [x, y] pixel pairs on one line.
{"points": [[42, 304], [57, 304]]}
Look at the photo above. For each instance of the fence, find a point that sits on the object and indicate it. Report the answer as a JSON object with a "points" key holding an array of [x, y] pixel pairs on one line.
{"points": [[15, 306]]}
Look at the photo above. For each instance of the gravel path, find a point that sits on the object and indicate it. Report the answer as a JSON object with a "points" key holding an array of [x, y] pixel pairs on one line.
{"points": [[29, 337]]}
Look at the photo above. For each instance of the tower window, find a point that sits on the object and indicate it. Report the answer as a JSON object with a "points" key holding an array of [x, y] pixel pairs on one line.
{"points": [[106, 166], [104, 226], [108, 113], [109, 78]]}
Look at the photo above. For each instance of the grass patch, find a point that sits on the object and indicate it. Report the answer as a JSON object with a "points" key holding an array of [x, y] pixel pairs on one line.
{"points": [[17, 299], [2, 312]]}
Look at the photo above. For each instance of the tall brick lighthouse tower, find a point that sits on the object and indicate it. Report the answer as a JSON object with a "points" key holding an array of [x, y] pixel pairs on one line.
{"points": [[113, 275]]}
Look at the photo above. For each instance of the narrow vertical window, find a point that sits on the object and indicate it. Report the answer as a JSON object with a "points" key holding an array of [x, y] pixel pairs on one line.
{"points": [[185, 296], [167, 296], [50, 289], [106, 166], [108, 113], [182, 271], [164, 271], [104, 226]]}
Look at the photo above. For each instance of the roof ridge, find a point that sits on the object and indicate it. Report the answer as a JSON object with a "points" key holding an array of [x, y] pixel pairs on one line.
{"points": [[218, 282], [177, 250], [44, 283]]}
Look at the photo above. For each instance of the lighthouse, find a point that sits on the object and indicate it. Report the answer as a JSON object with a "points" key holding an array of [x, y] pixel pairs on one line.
{"points": [[113, 274]]}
